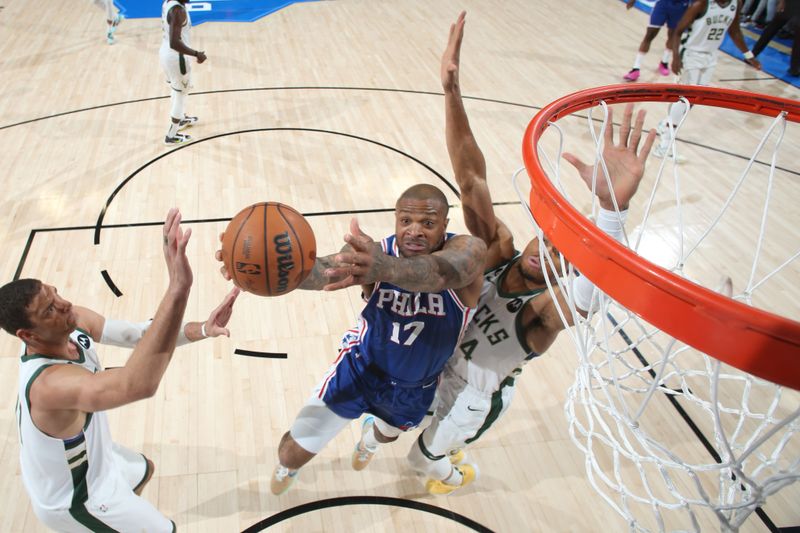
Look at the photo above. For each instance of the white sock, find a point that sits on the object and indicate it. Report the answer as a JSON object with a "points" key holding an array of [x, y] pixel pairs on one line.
{"points": [[666, 56], [369, 441], [173, 129], [638, 61], [455, 477]]}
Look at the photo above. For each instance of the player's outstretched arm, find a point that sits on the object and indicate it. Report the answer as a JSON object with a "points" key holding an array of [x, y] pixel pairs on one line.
{"points": [[72, 387], [469, 164], [625, 160], [456, 265], [127, 334], [323, 273]]}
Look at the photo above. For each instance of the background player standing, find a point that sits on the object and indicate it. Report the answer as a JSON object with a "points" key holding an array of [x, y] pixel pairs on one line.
{"points": [[664, 11], [701, 30], [175, 46], [113, 18]]}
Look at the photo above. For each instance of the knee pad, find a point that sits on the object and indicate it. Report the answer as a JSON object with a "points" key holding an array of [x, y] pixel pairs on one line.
{"points": [[315, 426], [388, 431]]}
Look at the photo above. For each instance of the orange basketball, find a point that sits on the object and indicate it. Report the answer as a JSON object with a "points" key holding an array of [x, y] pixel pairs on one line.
{"points": [[268, 249]]}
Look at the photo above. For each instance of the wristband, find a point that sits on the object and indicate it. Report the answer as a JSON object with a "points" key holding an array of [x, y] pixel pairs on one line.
{"points": [[749, 55], [203, 330]]}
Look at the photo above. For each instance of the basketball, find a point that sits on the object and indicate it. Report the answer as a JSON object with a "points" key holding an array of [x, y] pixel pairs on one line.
{"points": [[268, 249]]}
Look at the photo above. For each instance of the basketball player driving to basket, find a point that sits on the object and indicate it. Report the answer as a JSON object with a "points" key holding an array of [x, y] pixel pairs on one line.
{"points": [[420, 285], [517, 318]]}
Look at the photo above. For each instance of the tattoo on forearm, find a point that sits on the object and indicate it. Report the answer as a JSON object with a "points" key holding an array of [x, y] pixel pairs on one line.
{"points": [[317, 279]]}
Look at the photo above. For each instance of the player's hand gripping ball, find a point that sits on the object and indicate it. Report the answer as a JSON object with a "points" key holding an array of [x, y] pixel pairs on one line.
{"points": [[268, 249]]}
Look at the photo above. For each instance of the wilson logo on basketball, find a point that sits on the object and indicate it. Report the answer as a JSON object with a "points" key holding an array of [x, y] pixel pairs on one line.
{"points": [[248, 268], [283, 249]]}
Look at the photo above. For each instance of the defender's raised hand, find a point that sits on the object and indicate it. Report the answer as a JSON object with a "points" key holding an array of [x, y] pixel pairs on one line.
{"points": [[451, 58], [174, 245], [624, 161], [219, 317]]}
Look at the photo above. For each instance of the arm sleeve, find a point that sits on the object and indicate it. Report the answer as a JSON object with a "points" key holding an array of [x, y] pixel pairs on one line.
{"points": [[127, 334], [611, 224]]}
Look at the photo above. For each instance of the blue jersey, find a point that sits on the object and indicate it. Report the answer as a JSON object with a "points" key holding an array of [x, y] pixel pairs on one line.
{"points": [[410, 335], [390, 362]]}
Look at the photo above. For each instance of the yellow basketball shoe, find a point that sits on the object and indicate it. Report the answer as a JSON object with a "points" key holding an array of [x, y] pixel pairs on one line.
{"points": [[457, 457], [362, 455], [282, 479], [469, 473]]}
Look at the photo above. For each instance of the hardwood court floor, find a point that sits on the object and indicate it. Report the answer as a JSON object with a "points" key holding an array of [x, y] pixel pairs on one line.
{"points": [[334, 108]]}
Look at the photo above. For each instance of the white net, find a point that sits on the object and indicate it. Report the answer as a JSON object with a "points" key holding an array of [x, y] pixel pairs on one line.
{"points": [[673, 438]]}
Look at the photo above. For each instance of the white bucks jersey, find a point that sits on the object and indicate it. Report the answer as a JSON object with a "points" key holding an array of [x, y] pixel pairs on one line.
{"points": [[494, 345], [61, 473], [706, 32], [185, 30]]}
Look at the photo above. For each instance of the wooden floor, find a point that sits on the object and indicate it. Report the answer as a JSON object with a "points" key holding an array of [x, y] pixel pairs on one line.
{"points": [[332, 107]]}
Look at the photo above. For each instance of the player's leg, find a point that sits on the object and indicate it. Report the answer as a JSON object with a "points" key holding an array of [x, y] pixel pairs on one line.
{"points": [[177, 100], [119, 509], [666, 57], [374, 432], [697, 70], [464, 414], [113, 18], [673, 15], [644, 47], [658, 17], [336, 400], [313, 428], [178, 72]]}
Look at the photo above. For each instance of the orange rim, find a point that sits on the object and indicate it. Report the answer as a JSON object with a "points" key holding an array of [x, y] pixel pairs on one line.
{"points": [[755, 341]]}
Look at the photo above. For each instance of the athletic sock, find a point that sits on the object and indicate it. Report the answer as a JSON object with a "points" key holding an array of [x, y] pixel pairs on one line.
{"points": [[369, 441], [666, 56], [637, 64], [173, 129], [455, 477]]}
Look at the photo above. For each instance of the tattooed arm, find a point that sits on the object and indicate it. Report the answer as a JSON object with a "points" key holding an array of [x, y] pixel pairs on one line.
{"points": [[318, 279], [458, 264]]}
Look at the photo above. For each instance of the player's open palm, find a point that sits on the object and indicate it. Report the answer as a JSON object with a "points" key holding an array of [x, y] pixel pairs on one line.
{"points": [[624, 160], [219, 317], [452, 54], [175, 241]]}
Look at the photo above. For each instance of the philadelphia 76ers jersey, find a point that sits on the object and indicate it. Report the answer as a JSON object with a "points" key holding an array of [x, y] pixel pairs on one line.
{"points": [[410, 335]]}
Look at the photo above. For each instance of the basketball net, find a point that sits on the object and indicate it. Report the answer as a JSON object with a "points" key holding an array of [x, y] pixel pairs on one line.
{"points": [[632, 376]]}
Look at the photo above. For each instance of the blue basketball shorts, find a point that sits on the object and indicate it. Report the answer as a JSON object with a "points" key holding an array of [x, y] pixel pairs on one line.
{"points": [[669, 12]]}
